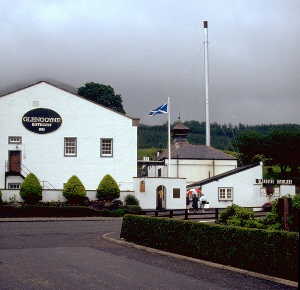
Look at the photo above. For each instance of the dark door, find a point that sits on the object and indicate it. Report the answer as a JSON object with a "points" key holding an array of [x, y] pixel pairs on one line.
{"points": [[15, 161], [160, 197]]}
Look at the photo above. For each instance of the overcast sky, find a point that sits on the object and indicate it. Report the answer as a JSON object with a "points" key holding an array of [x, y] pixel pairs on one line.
{"points": [[149, 50]]}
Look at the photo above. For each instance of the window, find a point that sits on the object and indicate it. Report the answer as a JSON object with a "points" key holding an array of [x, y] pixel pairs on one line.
{"points": [[14, 185], [106, 147], [176, 192], [142, 186], [15, 140], [225, 194], [70, 146]]}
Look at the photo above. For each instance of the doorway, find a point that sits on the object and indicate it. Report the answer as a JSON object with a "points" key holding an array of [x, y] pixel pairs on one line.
{"points": [[161, 197], [14, 161]]}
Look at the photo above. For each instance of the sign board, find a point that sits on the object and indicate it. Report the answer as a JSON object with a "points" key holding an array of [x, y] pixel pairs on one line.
{"points": [[275, 181], [41, 121]]}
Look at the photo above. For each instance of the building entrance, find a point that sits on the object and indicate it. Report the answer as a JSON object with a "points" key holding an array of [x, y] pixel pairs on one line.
{"points": [[14, 162], [161, 197]]}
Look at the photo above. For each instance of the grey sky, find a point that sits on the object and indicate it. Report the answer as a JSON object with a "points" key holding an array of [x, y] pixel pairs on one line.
{"points": [[149, 50]]}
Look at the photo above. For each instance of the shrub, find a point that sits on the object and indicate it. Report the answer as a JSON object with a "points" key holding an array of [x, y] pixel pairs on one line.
{"points": [[269, 252], [74, 190], [238, 212], [31, 189], [131, 200], [108, 189], [133, 209]]}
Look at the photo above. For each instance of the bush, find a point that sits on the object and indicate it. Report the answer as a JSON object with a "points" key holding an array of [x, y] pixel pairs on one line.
{"points": [[31, 189], [243, 214], [131, 200], [133, 209], [74, 190], [108, 189], [269, 252]]}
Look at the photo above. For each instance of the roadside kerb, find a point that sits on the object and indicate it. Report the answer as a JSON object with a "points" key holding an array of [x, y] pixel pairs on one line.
{"points": [[122, 242]]}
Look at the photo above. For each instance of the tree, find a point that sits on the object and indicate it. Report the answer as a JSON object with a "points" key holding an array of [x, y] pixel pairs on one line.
{"points": [[103, 95], [108, 189], [31, 189], [251, 146], [74, 190]]}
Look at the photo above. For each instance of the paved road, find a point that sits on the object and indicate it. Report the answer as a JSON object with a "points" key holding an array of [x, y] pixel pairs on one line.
{"points": [[72, 255]]}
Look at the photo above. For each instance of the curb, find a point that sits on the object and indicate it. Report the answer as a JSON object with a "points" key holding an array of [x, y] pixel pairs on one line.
{"points": [[49, 219], [199, 261]]}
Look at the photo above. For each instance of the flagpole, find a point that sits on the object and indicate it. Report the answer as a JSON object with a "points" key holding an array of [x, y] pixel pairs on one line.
{"points": [[169, 137]]}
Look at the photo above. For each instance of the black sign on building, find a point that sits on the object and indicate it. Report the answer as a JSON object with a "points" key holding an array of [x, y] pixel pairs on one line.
{"points": [[41, 121]]}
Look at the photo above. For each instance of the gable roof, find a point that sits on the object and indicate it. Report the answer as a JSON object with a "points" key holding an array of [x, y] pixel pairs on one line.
{"points": [[63, 87], [222, 175], [191, 151]]}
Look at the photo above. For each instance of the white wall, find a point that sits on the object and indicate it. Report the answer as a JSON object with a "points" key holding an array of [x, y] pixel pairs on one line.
{"points": [[245, 192], [51, 195], [194, 170], [43, 154], [147, 199]]}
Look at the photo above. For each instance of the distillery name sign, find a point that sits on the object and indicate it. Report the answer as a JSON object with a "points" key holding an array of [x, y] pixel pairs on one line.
{"points": [[274, 181], [41, 121]]}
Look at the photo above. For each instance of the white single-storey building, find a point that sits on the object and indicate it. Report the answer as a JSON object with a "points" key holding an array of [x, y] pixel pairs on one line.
{"points": [[243, 186], [191, 161], [160, 192], [55, 133]]}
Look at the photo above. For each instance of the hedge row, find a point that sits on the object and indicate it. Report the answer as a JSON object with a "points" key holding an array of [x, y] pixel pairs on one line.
{"points": [[43, 211], [269, 252]]}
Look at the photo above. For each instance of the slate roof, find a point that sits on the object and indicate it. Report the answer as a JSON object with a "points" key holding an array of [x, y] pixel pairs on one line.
{"points": [[185, 150], [61, 86], [222, 175]]}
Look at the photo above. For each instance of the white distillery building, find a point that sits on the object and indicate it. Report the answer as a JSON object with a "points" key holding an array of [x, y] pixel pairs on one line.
{"points": [[54, 133], [189, 161], [243, 186]]}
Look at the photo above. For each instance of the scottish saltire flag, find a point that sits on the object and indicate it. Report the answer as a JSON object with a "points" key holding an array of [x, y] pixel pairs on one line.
{"points": [[163, 109]]}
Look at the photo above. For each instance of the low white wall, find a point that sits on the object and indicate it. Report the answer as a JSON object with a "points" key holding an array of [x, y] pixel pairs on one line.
{"points": [[147, 199], [50, 195]]}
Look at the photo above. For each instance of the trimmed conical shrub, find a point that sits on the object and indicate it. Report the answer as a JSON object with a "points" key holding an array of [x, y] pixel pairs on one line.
{"points": [[108, 189], [74, 190], [31, 189], [130, 199]]}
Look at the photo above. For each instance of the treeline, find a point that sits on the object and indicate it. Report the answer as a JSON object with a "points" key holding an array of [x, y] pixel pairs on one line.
{"points": [[222, 136]]}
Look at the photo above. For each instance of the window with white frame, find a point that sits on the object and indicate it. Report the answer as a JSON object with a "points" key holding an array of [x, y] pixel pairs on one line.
{"points": [[70, 147], [14, 140], [14, 185], [225, 193], [106, 147]]}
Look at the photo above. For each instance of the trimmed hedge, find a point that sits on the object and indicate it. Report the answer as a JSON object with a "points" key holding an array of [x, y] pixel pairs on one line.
{"points": [[74, 190], [268, 252], [8, 211], [108, 188], [31, 189]]}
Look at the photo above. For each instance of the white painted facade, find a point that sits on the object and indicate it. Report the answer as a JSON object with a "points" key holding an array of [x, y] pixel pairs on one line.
{"points": [[245, 191], [49, 195], [148, 198], [43, 154], [192, 169]]}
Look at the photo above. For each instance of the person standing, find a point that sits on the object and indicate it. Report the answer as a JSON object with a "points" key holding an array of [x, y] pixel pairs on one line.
{"points": [[195, 202]]}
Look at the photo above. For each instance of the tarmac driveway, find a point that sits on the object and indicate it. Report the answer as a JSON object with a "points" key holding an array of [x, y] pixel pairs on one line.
{"points": [[73, 255]]}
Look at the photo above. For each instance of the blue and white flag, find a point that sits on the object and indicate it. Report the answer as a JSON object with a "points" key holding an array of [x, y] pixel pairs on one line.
{"points": [[163, 109]]}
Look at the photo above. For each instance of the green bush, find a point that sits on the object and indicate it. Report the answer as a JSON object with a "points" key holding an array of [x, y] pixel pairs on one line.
{"points": [[239, 213], [31, 189], [74, 190], [269, 252], [131, 200], [135, 209], [108, 189]]}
